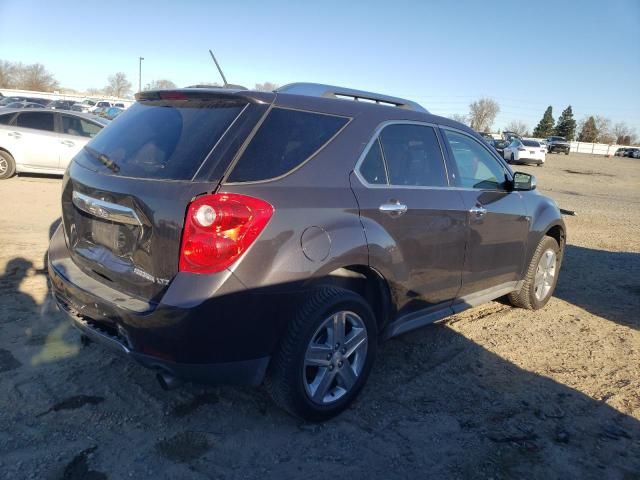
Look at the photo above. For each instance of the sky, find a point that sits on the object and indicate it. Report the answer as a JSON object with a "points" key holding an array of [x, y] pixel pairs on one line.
{"points": [[442, 54]]}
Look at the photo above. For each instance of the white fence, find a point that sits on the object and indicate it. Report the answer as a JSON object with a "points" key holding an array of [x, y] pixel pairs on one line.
{"points": [[595, 148]]}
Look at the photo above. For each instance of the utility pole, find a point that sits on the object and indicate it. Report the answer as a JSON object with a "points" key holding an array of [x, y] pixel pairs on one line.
{"points": [[140, 74]]}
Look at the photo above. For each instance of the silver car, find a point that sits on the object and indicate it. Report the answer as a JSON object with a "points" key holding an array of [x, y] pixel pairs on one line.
{"points": [[39, 140]]}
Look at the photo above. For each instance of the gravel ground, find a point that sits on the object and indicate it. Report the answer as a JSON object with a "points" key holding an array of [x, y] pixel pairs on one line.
{"points": [[494, 392]]}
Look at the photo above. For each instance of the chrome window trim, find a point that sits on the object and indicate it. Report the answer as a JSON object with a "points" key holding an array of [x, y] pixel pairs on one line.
{"points": [[376, 136]]}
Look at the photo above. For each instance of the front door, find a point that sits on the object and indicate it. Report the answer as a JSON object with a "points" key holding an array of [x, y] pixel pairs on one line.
{"points": [[497, 218], [415, 225]]}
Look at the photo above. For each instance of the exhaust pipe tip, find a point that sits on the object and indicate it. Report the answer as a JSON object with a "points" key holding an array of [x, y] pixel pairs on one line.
{"points": [[167, 381]]}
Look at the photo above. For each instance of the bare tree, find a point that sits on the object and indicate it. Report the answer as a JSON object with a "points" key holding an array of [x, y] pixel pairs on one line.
{"points": [[621, 131], [94, 91], [603, 126], [162, 84], [118, 85], [458, 117], [266, 87], [35, 77], [482, 114], [7, 74], [518, 127]]}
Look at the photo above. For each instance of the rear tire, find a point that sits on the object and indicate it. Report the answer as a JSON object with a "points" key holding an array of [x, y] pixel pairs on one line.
{"points": [[7, 165], [566, 153], [321, 367], [541, 276], [512, 158]]}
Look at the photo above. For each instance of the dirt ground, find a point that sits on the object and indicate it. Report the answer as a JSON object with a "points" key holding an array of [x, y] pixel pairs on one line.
{"points": [[495, 392]]}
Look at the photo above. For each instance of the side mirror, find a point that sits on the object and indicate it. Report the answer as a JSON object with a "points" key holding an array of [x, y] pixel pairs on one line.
{"points": [[524, 181]]}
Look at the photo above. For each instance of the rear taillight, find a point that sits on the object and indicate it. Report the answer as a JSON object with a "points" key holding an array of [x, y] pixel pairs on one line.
{"points": [[219, 228]]}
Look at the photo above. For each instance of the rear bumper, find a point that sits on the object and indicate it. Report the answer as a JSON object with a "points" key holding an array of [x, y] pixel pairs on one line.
{"points": [[227, 338], [537, 161], [558, 148]]}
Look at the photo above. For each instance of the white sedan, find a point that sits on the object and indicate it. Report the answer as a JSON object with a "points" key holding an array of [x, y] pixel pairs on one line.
{"points": [[525, 151], [41, 140]]}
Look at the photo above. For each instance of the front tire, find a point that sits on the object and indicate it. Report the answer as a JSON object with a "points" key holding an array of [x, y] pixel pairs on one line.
{"points": [[7, 165], [541, 276], [325, 356]]}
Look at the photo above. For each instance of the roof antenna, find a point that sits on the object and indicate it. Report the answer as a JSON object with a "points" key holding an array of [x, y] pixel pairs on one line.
{"points": [[219, 69]]}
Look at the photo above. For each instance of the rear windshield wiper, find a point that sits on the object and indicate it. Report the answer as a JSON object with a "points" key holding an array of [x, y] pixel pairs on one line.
{"points": [[102, 158]]}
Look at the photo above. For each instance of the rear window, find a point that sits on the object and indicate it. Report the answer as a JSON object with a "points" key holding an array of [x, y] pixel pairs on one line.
{"points": [[286, 139], [161, 139], [530, 143]]}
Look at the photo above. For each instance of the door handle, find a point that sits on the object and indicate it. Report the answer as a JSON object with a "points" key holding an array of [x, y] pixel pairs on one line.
{"points": [[478, 211], [14, 134], [68, 143], [393, 209]]}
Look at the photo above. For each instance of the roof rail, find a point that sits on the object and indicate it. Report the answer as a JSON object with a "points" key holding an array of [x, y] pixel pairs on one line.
{"points": [[330, 91]]}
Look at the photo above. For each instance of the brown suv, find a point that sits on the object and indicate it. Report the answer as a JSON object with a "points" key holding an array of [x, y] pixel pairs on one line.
{"points": [[240, 237]]}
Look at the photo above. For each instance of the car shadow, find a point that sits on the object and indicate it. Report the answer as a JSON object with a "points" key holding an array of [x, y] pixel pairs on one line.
{"points": [[437, 405], [606, 284]]}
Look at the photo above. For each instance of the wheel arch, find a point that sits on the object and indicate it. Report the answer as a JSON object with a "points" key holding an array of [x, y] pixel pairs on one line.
{"points": [[365, 281]]}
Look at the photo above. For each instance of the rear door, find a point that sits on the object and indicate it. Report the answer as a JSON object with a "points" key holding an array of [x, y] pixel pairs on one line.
{"points": [[414, 223], [75, 133], [497, 218], [35, 141], [127, 191]]}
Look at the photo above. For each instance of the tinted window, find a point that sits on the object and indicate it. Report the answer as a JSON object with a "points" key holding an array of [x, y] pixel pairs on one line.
{"points": [[372, 167], [36, 120], [5, 119], [477, 168], [413, 156], [79, 127], [531, 143], [161, 139], [285, 140]]}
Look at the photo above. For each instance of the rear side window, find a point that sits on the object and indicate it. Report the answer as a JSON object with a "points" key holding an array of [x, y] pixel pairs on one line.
{"points": [[372, 168], [79, 127], [36, 120], [286, 139], [413, 156], [161, 139]]}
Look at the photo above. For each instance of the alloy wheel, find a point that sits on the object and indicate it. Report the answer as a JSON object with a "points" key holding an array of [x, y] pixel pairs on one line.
{"points": [[335, 357], [545, 275]]}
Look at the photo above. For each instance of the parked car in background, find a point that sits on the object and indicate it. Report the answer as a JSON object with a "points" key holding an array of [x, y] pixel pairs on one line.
{"points": [[112, 112], [290, 252], [61, 104], [100, 111], [524, 151], [621, 152], [500, 145], [487, 137], [558, 145], [632, 152], [83, 106], [509, 136], [43, 140], [119, 105], [8, 100], [24, 104], [101, 104]]}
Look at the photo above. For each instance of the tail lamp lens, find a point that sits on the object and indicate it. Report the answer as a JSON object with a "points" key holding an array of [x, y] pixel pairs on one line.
{"points": [[219, 228]]}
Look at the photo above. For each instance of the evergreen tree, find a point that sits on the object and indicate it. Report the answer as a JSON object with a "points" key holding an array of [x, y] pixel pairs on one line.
{"points": [[545, 127], [566, 126], [589, 132]]}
